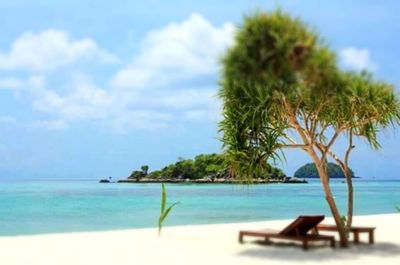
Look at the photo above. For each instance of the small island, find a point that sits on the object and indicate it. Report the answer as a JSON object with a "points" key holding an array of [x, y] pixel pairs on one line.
{"points": [[203, 169], [310, 171]]}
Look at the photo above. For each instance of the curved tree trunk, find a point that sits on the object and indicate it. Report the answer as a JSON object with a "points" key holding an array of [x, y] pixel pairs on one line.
{"points": [[344, 165], [350, 200], [350, 196], [323, 174], [349, 182]]}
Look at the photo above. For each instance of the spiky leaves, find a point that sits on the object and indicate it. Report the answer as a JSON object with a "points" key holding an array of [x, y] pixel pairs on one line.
{"points": [[366, 106], [275, 63]]}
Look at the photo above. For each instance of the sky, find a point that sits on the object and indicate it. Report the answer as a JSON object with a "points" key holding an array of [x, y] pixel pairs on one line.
{"points": [[90, 89]]}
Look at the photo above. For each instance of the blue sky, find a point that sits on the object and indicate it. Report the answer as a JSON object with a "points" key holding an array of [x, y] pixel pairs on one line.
{"points": [[97, 89]]}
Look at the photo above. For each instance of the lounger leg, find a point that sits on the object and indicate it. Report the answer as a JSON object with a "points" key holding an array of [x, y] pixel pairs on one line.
{"points": [[371, 237], [305, 244], [356, 237], [333, 243], [240, 237]]}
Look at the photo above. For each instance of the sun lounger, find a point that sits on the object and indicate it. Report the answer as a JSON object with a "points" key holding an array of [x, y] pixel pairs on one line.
{"points": [[298, 230], [356, 230]]}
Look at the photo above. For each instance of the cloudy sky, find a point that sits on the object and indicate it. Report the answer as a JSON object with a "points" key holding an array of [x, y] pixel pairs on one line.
{"points": [[99, 88]]}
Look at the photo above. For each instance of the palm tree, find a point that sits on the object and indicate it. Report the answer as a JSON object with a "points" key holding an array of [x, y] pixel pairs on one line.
{"points": [[281, 88], [145, 169]]}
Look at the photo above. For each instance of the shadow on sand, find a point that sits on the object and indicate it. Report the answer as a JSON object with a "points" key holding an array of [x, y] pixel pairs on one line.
{"points": [[293, 252]]}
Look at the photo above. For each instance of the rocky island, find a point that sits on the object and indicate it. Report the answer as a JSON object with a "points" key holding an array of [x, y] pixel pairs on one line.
{"points": [[204, 168]]}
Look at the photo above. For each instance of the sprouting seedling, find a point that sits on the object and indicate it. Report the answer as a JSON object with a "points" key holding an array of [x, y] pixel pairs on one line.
{"points": [[398, 208], [164, 212]]}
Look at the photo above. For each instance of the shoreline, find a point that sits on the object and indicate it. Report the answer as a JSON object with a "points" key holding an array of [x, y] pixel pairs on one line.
{"points": [[207, 181], [174, 226], [197, 244]]}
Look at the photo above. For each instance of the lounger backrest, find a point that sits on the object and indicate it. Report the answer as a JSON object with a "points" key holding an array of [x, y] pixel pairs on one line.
{"points": [[302, 225]]}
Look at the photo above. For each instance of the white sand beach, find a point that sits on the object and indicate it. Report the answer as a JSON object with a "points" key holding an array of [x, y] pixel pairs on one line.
{"points": [[203, 244]]}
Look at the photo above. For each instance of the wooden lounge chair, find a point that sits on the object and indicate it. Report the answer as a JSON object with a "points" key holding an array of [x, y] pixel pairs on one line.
{"points": [[356, 230], [298, 230]]}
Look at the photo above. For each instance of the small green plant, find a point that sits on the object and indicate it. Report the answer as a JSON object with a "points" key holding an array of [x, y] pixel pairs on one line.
{"points": [[343, 219], [398, 208], [164, 212]]}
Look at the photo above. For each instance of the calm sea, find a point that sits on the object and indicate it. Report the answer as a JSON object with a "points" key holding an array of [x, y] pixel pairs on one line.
{"points": [[36, 207]]}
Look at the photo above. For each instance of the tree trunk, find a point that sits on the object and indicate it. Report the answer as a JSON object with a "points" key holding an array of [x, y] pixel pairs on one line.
{"points": [[323, 174], [349, 181], [350, 199]]}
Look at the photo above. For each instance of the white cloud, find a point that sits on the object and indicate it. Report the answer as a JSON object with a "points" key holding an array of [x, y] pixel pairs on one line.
{"points": [[14, 83], [357, 59], [178, 51], [7, 120], [84, 101], [50, 124], [11, 83], [49, 50], [45, 124], [151, 110], [156, 89]]}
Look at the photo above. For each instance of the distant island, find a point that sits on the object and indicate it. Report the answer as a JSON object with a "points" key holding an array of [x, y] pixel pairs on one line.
{"points": [[309, 171], [204, 168]]}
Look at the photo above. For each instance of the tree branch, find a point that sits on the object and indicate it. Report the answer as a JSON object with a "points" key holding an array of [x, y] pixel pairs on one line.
{"points": [[321, 133], [333, 139], [303, 146], [293, 121], [319, 147]]}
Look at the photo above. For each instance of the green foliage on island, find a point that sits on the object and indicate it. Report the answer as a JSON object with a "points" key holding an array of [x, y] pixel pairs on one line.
{"points": [[203, 165], [139, 174], [310, 171]]}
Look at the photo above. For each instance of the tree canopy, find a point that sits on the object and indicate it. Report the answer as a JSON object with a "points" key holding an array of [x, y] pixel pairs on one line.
{"points": [[310, 171], [280, 75]]}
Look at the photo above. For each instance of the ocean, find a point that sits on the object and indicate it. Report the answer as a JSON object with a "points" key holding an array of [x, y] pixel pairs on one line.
{"points": [[58, 206]]}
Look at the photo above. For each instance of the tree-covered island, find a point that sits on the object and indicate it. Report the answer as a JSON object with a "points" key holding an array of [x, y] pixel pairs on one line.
{"points": [[204, 168], [310, 171]]}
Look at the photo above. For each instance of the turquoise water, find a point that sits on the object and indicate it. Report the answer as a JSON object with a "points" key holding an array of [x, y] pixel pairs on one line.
{"points": [[36, 207]]}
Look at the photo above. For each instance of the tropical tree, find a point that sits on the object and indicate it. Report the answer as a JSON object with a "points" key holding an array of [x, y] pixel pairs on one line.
{"points": [[145, 169], [281, 88], [139, 174]]}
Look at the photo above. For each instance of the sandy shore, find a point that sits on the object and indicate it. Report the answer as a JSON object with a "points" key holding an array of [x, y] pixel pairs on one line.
{"points": [[189, 245]]}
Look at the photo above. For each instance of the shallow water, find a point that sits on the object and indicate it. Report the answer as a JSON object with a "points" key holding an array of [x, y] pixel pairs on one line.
{"points": [[36, 207]]}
